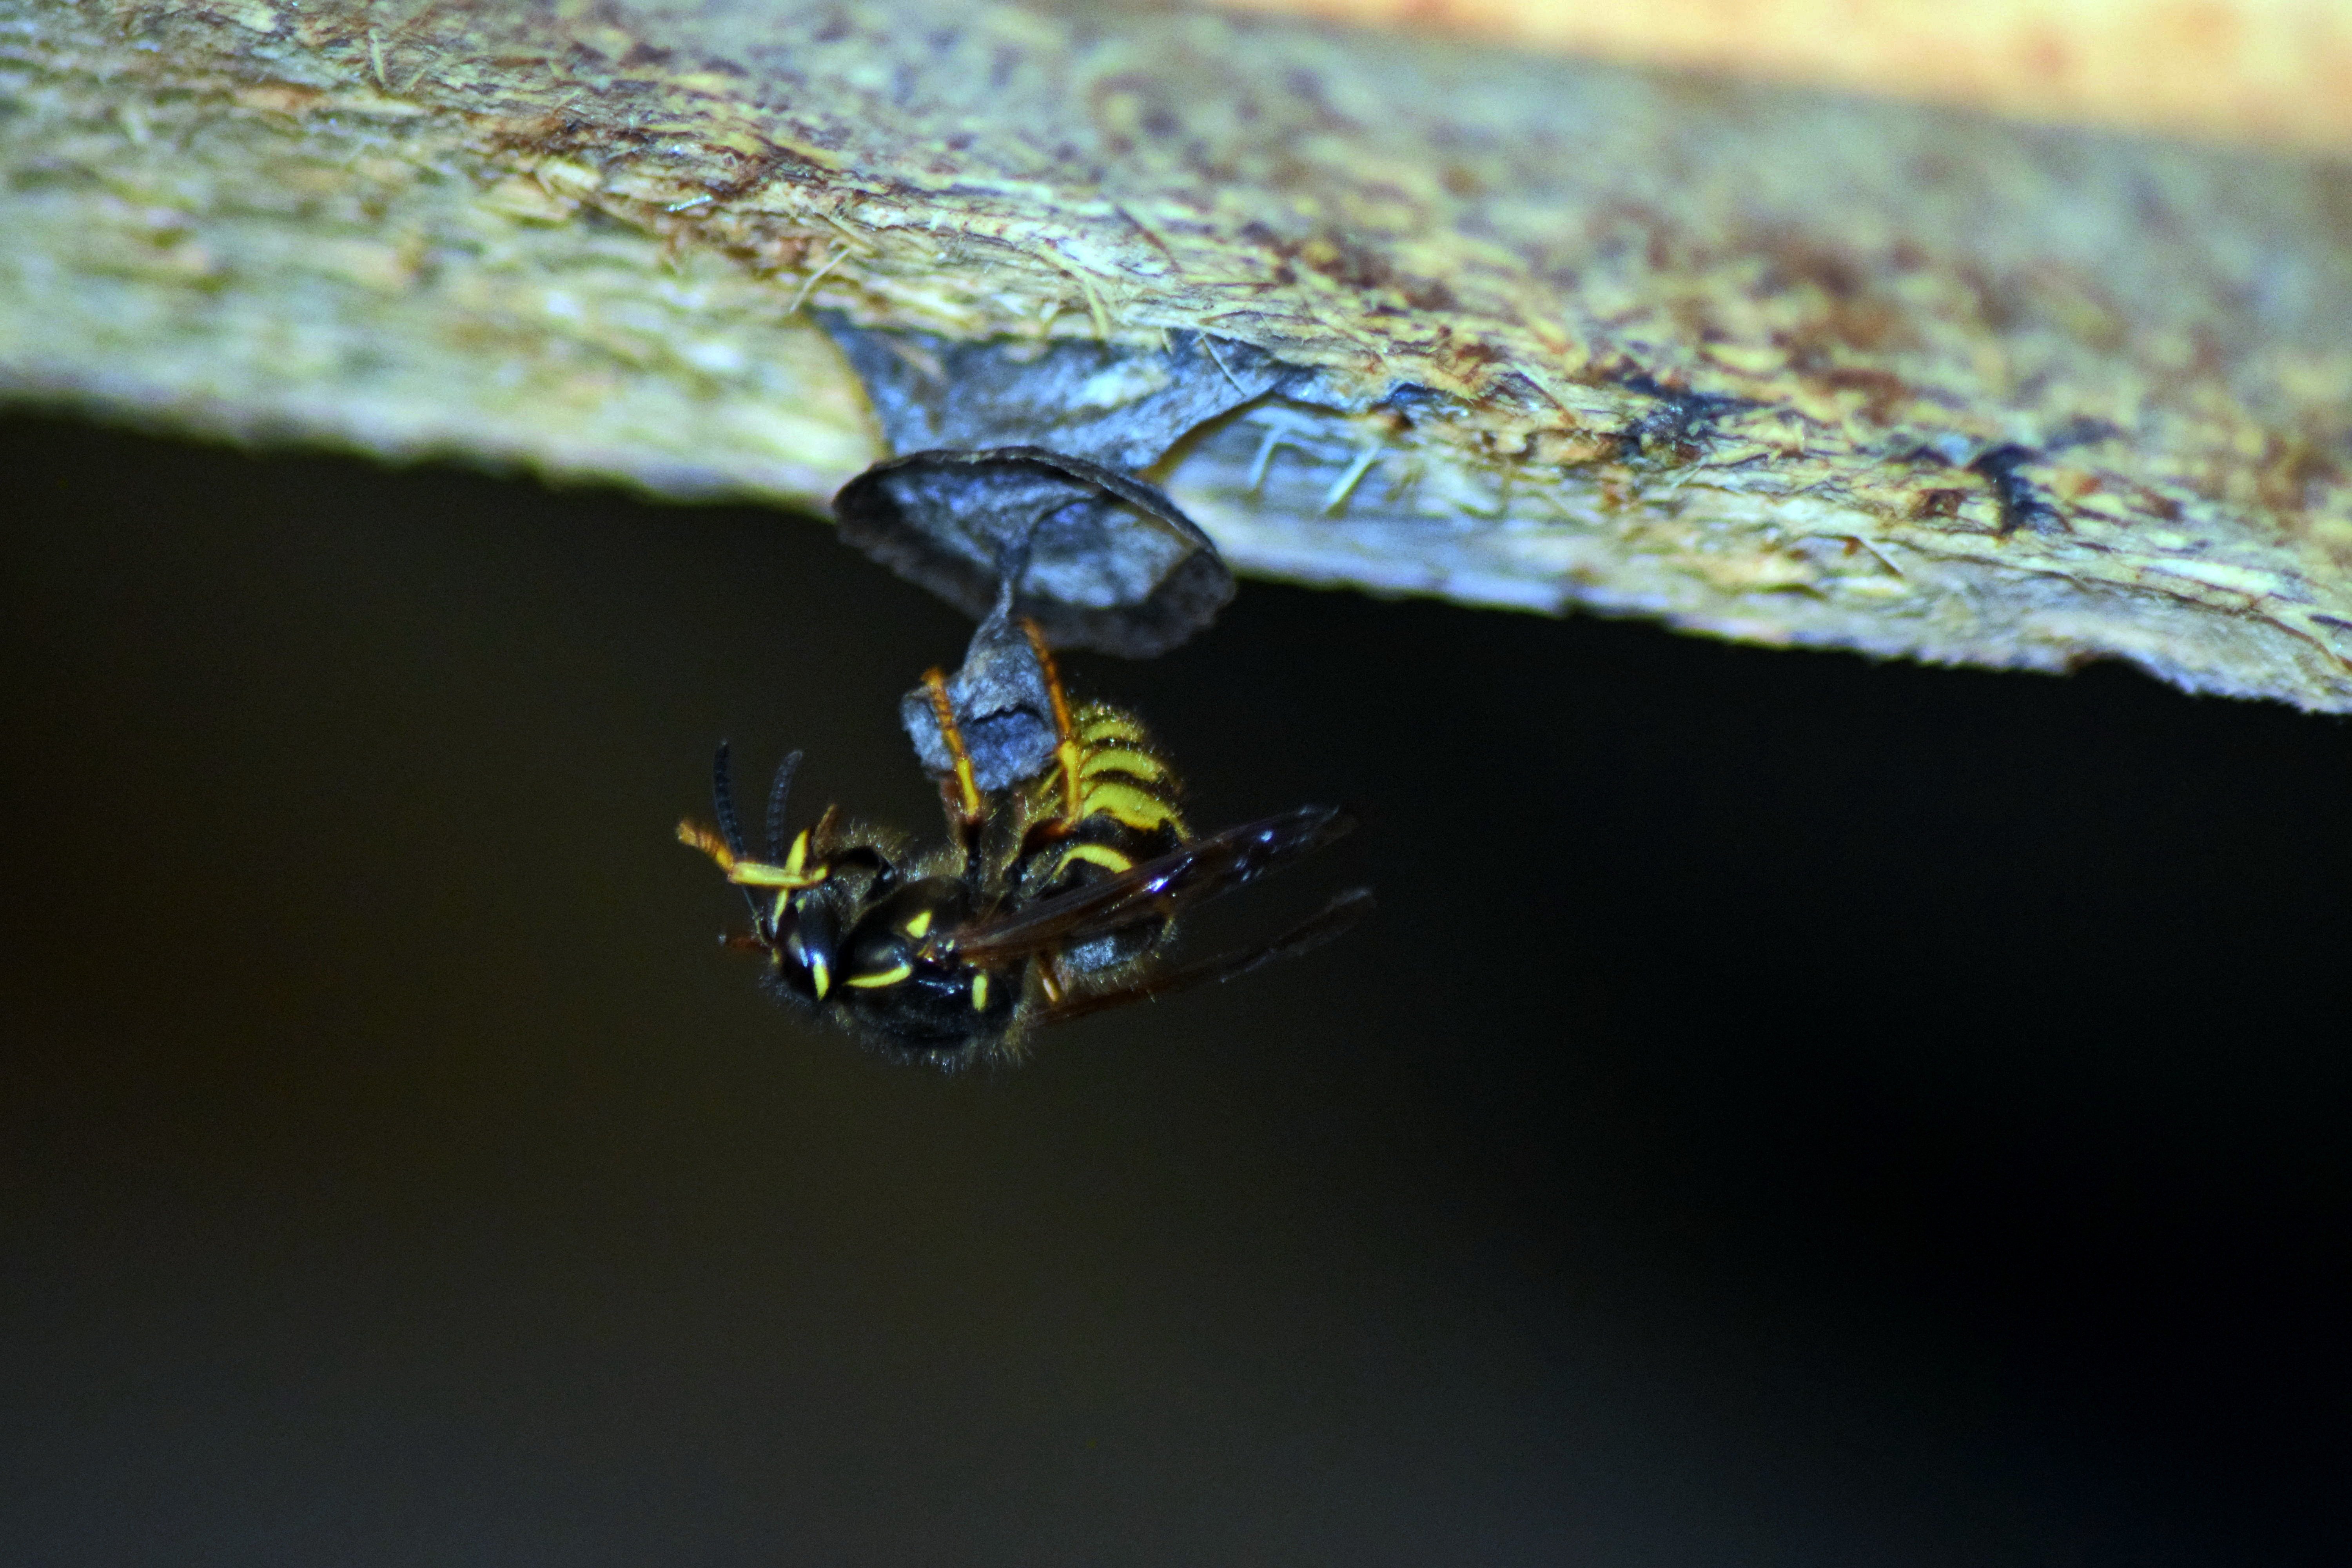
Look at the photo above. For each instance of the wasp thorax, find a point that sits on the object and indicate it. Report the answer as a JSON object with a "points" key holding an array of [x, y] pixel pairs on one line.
{"points": [[898, 933]]}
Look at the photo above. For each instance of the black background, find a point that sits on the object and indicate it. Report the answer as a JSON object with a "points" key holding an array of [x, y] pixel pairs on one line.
{"points": [[1787, 1109]]}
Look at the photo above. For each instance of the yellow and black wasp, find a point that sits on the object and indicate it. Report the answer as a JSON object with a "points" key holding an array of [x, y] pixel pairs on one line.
{"points": [[1050, 899]]}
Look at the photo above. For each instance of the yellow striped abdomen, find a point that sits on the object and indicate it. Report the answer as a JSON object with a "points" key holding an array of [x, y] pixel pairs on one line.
{"points": [[1126, 811]]}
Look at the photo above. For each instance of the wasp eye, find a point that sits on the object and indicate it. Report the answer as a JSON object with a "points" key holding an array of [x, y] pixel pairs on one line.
{"points": [[812, 938]]}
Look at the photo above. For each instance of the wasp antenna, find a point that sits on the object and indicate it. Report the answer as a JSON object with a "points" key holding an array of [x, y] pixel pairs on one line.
{"points": [[722, 802], [778, 793]]}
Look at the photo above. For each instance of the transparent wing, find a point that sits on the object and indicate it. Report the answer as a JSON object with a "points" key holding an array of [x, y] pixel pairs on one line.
{"points": [[1332, 920], [1201, 869]]}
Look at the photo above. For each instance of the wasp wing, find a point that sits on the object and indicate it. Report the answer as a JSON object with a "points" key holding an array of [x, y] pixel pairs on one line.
{"points": [[1201, 869], [1334, 920]]}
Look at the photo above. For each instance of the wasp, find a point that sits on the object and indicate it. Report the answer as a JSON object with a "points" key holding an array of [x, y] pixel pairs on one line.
{"points": [[1050, 898]]}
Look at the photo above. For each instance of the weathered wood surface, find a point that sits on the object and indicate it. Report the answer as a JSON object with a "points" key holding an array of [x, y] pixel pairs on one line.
{"points": [[1773, 366], [2248, 70]]}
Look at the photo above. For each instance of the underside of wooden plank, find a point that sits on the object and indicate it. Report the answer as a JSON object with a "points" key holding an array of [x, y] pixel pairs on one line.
{"points": [[1774, 366]]}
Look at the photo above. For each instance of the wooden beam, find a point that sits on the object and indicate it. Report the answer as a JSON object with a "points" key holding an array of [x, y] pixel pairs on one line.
{"points": [[2276, 71], [1762, 363]]}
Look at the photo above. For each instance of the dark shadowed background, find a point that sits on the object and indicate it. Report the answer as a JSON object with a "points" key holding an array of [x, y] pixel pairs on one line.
{"points": [[1786, 1111]]}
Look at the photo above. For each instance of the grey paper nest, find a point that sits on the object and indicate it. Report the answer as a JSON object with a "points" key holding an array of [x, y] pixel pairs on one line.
{"points": [[1098, 559]]}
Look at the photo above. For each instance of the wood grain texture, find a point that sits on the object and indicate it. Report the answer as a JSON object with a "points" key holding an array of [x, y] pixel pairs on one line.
{"points": [[2260, 70], [1766, 364]]}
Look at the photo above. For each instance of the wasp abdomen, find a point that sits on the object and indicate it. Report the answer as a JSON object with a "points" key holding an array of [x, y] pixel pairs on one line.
{"points": [[1125, 811], [1124, 814]]}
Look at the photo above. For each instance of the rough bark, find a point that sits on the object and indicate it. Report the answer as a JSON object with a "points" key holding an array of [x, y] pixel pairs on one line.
{"points": [[1775, 366]]}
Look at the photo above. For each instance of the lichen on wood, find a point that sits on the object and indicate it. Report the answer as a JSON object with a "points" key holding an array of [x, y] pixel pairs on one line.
{"points": [[1770, 365]]}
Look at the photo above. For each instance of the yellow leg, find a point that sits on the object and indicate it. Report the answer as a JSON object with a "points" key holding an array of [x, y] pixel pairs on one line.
{"points": [[793, 875], [1049, 979], [1066, 755], [694, 836], [962, 791]]}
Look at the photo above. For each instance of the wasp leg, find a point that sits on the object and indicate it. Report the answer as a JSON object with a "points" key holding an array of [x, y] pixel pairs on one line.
{"points": [[796, 873], [694, 836], [1067, 756], [1049, 980], [959, 789]]}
